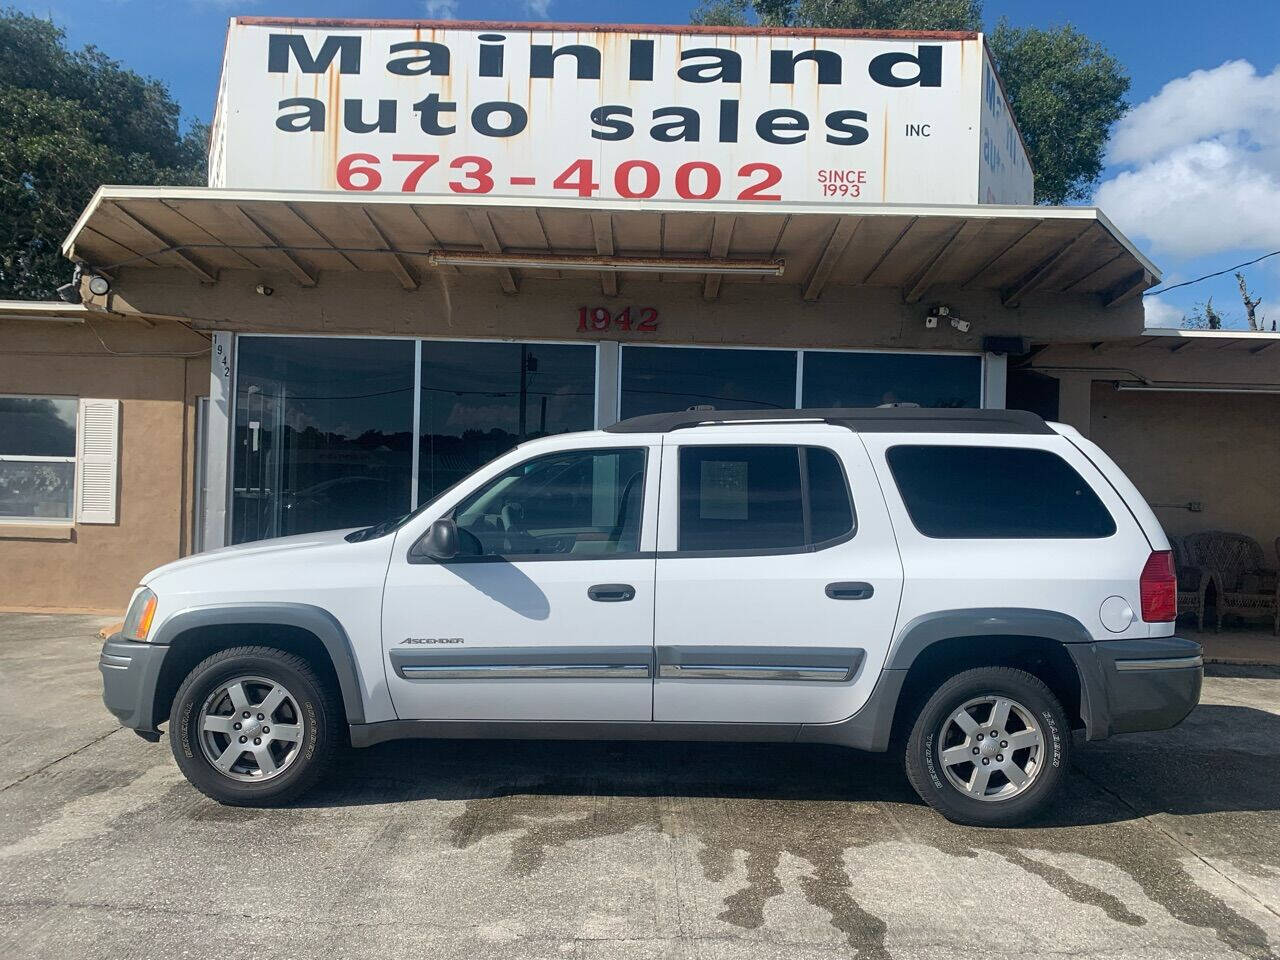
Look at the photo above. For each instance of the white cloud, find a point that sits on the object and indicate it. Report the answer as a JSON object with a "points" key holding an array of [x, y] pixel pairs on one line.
{"points": [[442, 9], [1161, 313], [538, 9], [1204, 155]]}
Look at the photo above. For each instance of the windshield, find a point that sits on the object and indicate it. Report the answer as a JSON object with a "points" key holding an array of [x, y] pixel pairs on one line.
{"points": [[384, 527]]}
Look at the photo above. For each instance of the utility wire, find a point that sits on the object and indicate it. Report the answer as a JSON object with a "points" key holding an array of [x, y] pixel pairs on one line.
{"points": [[1210, 276]]}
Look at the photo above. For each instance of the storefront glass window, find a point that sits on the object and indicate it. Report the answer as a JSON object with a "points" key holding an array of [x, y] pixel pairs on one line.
{"points": [[664, 379], [481, 399], [323, 434], [871, 379]]}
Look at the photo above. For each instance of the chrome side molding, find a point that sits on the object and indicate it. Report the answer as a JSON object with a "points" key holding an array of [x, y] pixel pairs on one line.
{"points": [[1164, 663], [526, 671], [709, 671]]}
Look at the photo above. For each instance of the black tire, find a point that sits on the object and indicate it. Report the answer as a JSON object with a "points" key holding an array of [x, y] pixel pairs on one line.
{"points": [[321, 727], [924, 764]]}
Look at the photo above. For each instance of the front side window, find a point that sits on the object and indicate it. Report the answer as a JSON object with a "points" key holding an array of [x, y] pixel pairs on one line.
{"points": [[37, 457], [761, 498], [996, 493], [577, 504]]}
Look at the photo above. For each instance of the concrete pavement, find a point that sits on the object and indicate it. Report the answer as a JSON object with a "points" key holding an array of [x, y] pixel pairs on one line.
{"points": [[1166, 845]]}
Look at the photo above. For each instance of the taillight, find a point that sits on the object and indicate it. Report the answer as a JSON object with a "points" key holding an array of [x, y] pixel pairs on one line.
{"points": [[1158, 586]]}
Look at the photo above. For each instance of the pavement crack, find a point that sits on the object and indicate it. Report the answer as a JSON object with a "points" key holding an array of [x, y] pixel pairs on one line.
{"points": [[65, 756]]}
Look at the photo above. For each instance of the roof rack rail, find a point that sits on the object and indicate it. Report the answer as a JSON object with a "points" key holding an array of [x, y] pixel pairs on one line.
{"points": [[857, 419]]}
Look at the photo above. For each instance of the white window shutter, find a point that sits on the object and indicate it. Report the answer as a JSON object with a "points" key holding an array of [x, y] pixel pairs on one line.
{"points": [[97, 460]]}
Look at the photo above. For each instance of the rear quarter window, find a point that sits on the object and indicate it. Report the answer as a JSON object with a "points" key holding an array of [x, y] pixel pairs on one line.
{"points": [[963, 492]]}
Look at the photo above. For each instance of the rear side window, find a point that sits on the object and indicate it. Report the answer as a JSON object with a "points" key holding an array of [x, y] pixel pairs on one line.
{"points": [[761, 498], [996, 492]]}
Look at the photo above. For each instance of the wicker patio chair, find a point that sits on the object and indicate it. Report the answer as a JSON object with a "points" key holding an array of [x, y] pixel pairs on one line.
{"points": [[1245, 586], [1193, 582]]}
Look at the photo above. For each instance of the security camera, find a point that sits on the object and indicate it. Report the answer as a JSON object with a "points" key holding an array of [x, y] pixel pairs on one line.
{"points": [[264, 290], [961, 325]]}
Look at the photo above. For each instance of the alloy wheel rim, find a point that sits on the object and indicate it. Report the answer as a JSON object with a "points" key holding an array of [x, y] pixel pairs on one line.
{"points": [[991, 748], [251, 729]]}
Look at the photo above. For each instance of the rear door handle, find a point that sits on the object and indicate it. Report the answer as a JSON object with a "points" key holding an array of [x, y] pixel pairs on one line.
{"points": [[850, 590], [611, 592]]}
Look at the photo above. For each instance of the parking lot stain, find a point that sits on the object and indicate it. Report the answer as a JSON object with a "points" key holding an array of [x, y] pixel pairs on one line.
{"points": [[783, 807]]}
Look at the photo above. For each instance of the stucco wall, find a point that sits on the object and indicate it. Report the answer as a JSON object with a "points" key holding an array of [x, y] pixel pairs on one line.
{"points": [[1220, 449], [99, 566]]}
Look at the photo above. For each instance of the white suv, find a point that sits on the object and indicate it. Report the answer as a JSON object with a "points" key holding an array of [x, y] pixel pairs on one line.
{"points": [[971, 585]]}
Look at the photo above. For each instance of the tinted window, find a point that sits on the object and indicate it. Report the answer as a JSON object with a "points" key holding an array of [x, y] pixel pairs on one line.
{"points": [[37, 426], [324, 434], [751, 498], [872, 379], [663, 379], [579, 503], [996, 492], [481, 399], [830, 512]]}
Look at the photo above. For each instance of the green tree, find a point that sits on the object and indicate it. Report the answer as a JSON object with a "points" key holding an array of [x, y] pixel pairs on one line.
{"points": [[69, 122], [1066, 90]]}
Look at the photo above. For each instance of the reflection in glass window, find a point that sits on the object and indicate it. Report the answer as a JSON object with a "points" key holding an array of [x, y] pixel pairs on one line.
{"points": [[834, 379], [38, 426], [665, 379], [323, 434], [481, 399], [37, 457], [579, 503]]}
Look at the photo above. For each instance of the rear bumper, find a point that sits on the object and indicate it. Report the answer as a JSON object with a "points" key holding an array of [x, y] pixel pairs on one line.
{"points": [[1135, 685], [130, 671]]}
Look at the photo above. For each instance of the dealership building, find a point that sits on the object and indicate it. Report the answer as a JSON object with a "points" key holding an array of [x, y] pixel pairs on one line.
{"points": [[423, 243]]}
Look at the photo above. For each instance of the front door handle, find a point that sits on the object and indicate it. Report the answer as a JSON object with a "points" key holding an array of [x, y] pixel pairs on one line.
{"points": [[850, 590], [611, 592]]}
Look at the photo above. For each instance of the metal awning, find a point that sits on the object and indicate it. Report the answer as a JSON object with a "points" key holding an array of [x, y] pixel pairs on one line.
{"points": [[1183, 342], [1014, 250]]}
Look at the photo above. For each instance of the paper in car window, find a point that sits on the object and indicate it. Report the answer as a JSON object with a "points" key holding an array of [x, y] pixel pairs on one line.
{"points": [[723, 494]]}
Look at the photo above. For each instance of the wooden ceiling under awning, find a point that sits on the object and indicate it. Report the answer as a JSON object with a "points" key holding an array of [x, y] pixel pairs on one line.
{"points": [[1017, 251]]}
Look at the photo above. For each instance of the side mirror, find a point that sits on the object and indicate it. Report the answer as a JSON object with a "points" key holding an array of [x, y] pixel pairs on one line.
{"points": [[440, 542]]}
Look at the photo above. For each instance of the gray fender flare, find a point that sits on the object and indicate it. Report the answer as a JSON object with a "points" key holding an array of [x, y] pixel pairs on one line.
{"points": [[926, 630], [304, 616]]}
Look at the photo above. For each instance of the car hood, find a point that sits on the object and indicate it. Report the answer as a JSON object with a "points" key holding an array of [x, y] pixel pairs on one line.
{"points": [[285, 549]]}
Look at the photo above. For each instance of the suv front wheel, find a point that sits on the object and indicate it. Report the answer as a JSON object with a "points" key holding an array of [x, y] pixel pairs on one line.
{"points": [[253, 726], [989, 748]]}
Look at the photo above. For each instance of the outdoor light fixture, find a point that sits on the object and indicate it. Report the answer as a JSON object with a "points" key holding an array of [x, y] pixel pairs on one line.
{"points": [[99, 285], [554, 261]]}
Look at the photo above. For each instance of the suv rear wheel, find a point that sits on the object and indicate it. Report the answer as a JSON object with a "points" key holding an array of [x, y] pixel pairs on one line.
{"points": [[253, 726], [989, 748]]}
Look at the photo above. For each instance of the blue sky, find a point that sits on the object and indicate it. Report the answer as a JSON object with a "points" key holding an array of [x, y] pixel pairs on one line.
{"points": [[1195, 171]]}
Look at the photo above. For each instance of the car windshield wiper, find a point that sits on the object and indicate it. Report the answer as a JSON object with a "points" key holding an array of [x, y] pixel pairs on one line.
{"points": [[377, 530]]}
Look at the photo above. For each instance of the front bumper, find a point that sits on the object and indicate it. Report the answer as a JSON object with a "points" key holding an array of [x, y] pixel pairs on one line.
{"points": [[130, 671], [1135, 685]]}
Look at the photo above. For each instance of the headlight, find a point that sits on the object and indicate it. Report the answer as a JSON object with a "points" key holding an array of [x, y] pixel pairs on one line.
{"points": [[142, 610]]}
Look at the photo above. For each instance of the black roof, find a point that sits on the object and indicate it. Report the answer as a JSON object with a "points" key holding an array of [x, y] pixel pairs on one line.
{"points": [[859, 419]]}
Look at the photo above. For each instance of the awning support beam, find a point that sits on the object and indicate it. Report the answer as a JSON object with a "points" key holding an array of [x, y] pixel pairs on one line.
{"points": [[955, 241], [1012, 296], [1130, 286], [264, 236], [206, 274], [835, 247], [483, 227], [602, 231], [721, 237], [398, 264]]}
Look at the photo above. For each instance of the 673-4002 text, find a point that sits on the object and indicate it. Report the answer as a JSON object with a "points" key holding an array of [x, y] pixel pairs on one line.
{"points": [[630, 179]]}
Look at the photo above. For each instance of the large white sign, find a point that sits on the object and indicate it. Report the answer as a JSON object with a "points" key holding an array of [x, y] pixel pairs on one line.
{"points": [[673, 114]]}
